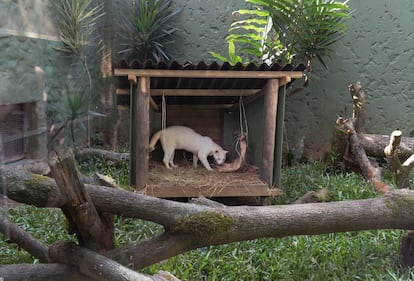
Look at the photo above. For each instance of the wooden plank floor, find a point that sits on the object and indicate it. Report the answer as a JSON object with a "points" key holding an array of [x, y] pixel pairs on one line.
{"points": [[187, 181]]}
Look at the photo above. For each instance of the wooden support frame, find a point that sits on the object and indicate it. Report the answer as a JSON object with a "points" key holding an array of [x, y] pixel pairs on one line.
{"points": [[269, 130], [273, 119]]}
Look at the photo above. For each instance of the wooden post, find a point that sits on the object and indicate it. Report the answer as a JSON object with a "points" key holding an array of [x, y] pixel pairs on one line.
{"points": [[142, 130], [132, 132], [269, 130], [280, 117]]}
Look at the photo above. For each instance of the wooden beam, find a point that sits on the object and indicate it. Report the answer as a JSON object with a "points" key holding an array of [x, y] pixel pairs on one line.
{"points": [[206, 73], [285, 80], [122, 92], [172, 191], [197, 92], [154, 105], [132, 78], [204, 92], [200, 106], [269, 130], [141, 126]]}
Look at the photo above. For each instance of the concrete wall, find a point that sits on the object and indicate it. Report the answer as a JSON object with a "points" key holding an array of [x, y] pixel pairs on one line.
{"points": [[378, 51], [28, 38], [26, 33]]}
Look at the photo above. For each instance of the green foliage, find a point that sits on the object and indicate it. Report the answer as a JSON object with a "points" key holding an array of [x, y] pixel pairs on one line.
{"points": [[119, 173], [287, 30], [233, 59], [147, 30], [252, 33], [308, 28], [73, 115]]}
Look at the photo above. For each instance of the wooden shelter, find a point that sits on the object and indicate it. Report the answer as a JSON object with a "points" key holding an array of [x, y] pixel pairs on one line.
{"points": [[205, 86]]}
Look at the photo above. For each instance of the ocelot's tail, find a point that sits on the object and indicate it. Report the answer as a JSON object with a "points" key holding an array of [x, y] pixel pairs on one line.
{"points": [[154, 141]]}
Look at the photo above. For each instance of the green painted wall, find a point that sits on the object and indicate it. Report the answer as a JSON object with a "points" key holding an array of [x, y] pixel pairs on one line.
{"points": [[377, 51]]}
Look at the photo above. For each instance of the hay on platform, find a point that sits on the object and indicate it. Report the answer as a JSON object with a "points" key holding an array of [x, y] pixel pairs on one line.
{"points": [[198, 177]]}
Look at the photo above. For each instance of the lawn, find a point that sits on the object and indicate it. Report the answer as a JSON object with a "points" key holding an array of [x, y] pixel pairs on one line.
{"points": [[367, 255]]}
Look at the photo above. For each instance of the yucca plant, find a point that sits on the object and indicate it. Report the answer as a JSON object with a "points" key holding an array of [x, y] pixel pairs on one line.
{"points": [[147, 30], [77, 22]]}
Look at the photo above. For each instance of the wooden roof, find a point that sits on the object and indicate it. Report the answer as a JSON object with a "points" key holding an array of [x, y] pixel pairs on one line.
{"points": [[203, 83]]}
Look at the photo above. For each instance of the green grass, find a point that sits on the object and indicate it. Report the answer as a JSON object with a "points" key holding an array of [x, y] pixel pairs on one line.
{"points": [[367, 255]]}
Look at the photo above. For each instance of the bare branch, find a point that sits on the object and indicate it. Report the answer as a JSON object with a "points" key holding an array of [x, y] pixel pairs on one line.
{"points": [[359, 106], [17, 235], [370, 172], [92, 264]]}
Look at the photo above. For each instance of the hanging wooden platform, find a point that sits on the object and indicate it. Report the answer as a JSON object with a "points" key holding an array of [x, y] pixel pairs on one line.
{"points": [[187, 181]]}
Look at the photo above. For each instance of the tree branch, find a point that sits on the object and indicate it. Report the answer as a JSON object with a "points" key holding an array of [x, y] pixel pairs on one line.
{"points": [[92, 264], [392, 211], [41, 272], [371, 173], [359, 106], [189, 226], [17, 235]]}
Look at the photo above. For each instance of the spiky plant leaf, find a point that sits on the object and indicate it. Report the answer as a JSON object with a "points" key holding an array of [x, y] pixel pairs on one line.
{"points": [[147, 31]]}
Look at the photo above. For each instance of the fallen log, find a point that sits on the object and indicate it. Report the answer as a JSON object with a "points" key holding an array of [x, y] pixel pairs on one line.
{"points": [[374, 145], [115, 157]]}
